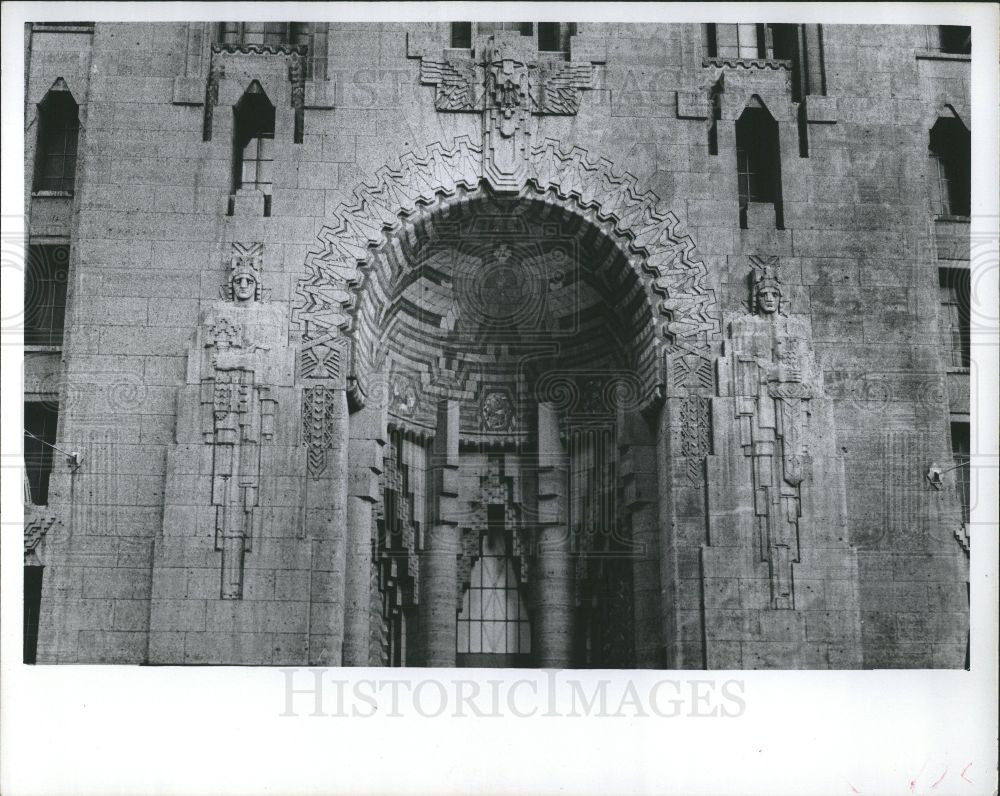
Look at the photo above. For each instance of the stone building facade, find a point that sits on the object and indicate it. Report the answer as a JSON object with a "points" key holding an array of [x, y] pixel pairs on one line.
{"points": [[497, 344]]}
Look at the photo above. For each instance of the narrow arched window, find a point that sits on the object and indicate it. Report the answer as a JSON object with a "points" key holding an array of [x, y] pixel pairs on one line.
{"points": [[253, 141], [758, 163], [58, 132], [950, 149], [493, 625]]}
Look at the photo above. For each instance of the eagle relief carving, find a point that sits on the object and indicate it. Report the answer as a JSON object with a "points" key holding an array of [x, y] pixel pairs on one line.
{"points": [[507, 83]]}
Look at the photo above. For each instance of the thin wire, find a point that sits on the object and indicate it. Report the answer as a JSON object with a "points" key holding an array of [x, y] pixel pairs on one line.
{"points": [[961, 464], [65, 453]]}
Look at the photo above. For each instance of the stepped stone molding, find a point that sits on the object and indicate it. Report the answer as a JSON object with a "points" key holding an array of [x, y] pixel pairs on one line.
{"points": [[687, 318], [35, 529]]}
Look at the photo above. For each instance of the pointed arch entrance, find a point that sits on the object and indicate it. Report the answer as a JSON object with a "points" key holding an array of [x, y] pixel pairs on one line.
{"points": [[506, 358]]}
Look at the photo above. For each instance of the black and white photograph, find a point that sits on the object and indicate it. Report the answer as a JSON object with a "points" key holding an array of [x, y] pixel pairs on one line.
{"points": [[384, 375]]}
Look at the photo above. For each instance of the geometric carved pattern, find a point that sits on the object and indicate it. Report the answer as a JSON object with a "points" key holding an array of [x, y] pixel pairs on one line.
{"points": [[687, 319], [297, 77], [498, 413], [324, 358], [692, 373], [553, 87], [34, 530], [695, 431], [692, 370], [774, 64], [318, 426], [507, 84]]}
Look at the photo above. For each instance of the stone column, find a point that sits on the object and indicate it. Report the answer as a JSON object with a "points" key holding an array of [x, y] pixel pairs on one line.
{"points": [[552, 617], [326, 521], [439, 556], [637, 441], [367, 438]]}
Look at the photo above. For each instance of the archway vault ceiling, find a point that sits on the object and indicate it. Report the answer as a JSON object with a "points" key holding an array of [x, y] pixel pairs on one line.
{"points": [[429, 272]]}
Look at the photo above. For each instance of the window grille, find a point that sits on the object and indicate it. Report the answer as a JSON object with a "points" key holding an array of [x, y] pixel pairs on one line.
{"points": [[45, 280], [745, 41], [758, 164], [254, 141], [58, 133], [950, 148], [955, 320], [494, 617]]}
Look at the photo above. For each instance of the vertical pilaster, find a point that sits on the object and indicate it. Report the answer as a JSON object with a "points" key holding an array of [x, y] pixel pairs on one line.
{"points": [[439, 558], [367, 438], [637, 441], [326, 522], [552, 624]]}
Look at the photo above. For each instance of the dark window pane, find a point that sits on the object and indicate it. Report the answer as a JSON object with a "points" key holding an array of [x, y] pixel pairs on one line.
{"points": [[756, 139], [758, 162], [955, 315], [548, 37], [39, 435], [252, 144], [32, 606], [784, 39], [955, 39], [950, 146], [45, 280], [961, 452], [711, 40], [58, 130], [461, 35]]}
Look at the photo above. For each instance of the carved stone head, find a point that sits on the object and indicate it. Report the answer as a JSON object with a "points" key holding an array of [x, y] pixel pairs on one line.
{"points": [[766, 280], [244, 273]]}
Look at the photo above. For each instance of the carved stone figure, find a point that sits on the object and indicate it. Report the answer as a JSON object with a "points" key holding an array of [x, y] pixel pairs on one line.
{"points": [[772, 376], [239, 338]]}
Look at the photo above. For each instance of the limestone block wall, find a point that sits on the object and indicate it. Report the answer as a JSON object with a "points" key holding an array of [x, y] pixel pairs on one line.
{"points": [[150, 231]]}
